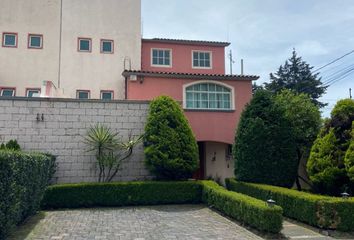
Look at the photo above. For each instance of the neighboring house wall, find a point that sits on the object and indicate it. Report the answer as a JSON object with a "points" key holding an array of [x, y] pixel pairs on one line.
{"points": [[62, 22], [208, 125], [181, 57], [61, 133], [22, 67]]}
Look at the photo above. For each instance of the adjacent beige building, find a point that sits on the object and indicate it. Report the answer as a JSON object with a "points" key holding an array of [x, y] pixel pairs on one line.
{"points": [[68, 48]]}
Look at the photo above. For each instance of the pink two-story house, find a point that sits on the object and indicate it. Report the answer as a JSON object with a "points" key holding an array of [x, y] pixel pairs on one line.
{"points": [[193, 72]]}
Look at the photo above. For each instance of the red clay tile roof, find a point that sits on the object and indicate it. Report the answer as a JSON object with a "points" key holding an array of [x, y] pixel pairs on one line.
{"points": [[127, 73], [184, 41]]}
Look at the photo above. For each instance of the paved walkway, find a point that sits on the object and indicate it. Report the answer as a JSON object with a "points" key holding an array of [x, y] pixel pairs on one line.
{"points": [[298, 232], [139, 223]]}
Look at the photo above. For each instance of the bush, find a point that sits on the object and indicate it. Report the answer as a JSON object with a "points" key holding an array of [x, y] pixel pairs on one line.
{"points": [[171, 151], [326, 165], [349, 158], [10, 145], [320, 211], [241, 207], [23, 178], [120, 194], [265, 149]]}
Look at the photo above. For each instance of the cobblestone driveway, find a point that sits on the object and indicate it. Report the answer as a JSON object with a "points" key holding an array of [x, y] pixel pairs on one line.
{"points": [[139, 223]]}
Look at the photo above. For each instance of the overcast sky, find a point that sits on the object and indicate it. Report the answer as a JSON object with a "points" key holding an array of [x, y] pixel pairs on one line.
{"points": [[264, 32]]}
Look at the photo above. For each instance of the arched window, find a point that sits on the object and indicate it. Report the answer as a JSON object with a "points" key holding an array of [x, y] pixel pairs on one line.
{"points": [[208, 96]]}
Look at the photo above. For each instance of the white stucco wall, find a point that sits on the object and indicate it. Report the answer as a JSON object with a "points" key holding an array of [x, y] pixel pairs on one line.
{"points": [[22, 67], [217, 165], [118, 20]]}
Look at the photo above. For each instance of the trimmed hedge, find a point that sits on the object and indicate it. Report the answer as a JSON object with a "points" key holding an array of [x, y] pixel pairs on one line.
{"points": [[243, 208], [320, 211], [23, 178], [121, 194]]}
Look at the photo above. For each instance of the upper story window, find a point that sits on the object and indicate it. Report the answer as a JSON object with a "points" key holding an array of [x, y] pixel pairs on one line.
{"points": [[208, 96], [35, 41], [161, 57], [84, 44], [33, 92], [7, 92], [201, 59], [83, 94], [107, 95], [9, 40], [107, 46]]}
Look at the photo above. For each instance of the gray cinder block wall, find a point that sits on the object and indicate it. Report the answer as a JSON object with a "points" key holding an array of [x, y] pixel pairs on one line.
{"points": [[65, 122]]}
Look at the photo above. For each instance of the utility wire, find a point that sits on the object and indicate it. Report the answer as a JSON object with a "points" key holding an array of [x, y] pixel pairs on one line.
{"points": [[335, 60]]}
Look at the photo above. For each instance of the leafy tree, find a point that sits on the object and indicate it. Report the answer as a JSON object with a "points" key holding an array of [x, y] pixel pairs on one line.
{"points": [[170, 148], [265, 149], [305, 119], [297, 75], [349, 158], [327, 167], [256, 87]]}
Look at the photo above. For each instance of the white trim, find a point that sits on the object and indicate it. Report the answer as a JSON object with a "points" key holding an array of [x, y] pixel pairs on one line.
{"points": [[202, 51], [232, 100], [110, 92], [158, 65], [4, 39], [33, 90], [83, 91], [30, 36], [7, 89]]}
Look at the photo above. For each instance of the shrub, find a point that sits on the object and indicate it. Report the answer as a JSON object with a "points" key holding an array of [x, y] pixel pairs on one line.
{"points": [[23, 178], [320, 211], [171, 151], [243, 208], [326, 166], [121, 194], [10, 145], [265, 150], [349, 158]]}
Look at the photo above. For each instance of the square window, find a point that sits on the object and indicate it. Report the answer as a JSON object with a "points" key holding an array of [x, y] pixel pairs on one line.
{"points": [[161, 57], [84, 45], [7, 92], [83, 94], [33, 92], [201, 59], [106, 95], [9, 40], [106, 46], [35, 41]]}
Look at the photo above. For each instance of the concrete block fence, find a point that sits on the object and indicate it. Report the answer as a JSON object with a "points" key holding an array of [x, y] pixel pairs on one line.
{"points": [[64, 124]]}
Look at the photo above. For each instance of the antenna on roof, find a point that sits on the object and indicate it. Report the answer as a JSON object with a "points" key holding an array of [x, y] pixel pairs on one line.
{"points": [[231, 61], [241, 66]]}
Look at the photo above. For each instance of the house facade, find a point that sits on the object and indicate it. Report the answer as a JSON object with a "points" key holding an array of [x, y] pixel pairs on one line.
{"points": [[71, 49]]}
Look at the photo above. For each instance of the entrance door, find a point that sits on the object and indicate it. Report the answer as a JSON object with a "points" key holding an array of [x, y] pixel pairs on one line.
{"points": [[200, 173]]}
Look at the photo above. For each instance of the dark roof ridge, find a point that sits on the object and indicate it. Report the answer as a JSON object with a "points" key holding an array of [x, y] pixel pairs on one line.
{"points": [[187, 41]]}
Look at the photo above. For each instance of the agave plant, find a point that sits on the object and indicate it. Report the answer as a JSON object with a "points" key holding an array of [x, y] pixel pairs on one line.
{"points": [[110, 151]]}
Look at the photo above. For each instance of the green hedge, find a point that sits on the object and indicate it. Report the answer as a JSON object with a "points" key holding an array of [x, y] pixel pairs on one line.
{"points": [[320, 211], [243, 208], [23, 178], [121, 194]]}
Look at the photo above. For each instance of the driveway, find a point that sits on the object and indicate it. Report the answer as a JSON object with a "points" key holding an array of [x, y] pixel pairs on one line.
{"points": [[139, 223]]}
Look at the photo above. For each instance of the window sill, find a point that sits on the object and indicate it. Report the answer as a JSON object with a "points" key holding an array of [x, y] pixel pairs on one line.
{"points": [[209, 110]]}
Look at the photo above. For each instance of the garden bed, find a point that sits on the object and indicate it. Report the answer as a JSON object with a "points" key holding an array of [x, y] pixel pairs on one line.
{"points": [[319, 211]]}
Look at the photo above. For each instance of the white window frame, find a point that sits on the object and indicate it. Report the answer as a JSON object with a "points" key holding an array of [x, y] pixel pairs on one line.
{"points": [[35, 35], [86, 91], [12, 89], [232, 97], [79, 44], [161, 49], [34, 89], [4, 39], [106, 91], [202, 51], [112, 46]]}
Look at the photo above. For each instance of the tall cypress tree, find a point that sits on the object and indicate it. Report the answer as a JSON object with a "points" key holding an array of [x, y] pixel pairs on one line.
{"points": [[297, 75]]}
